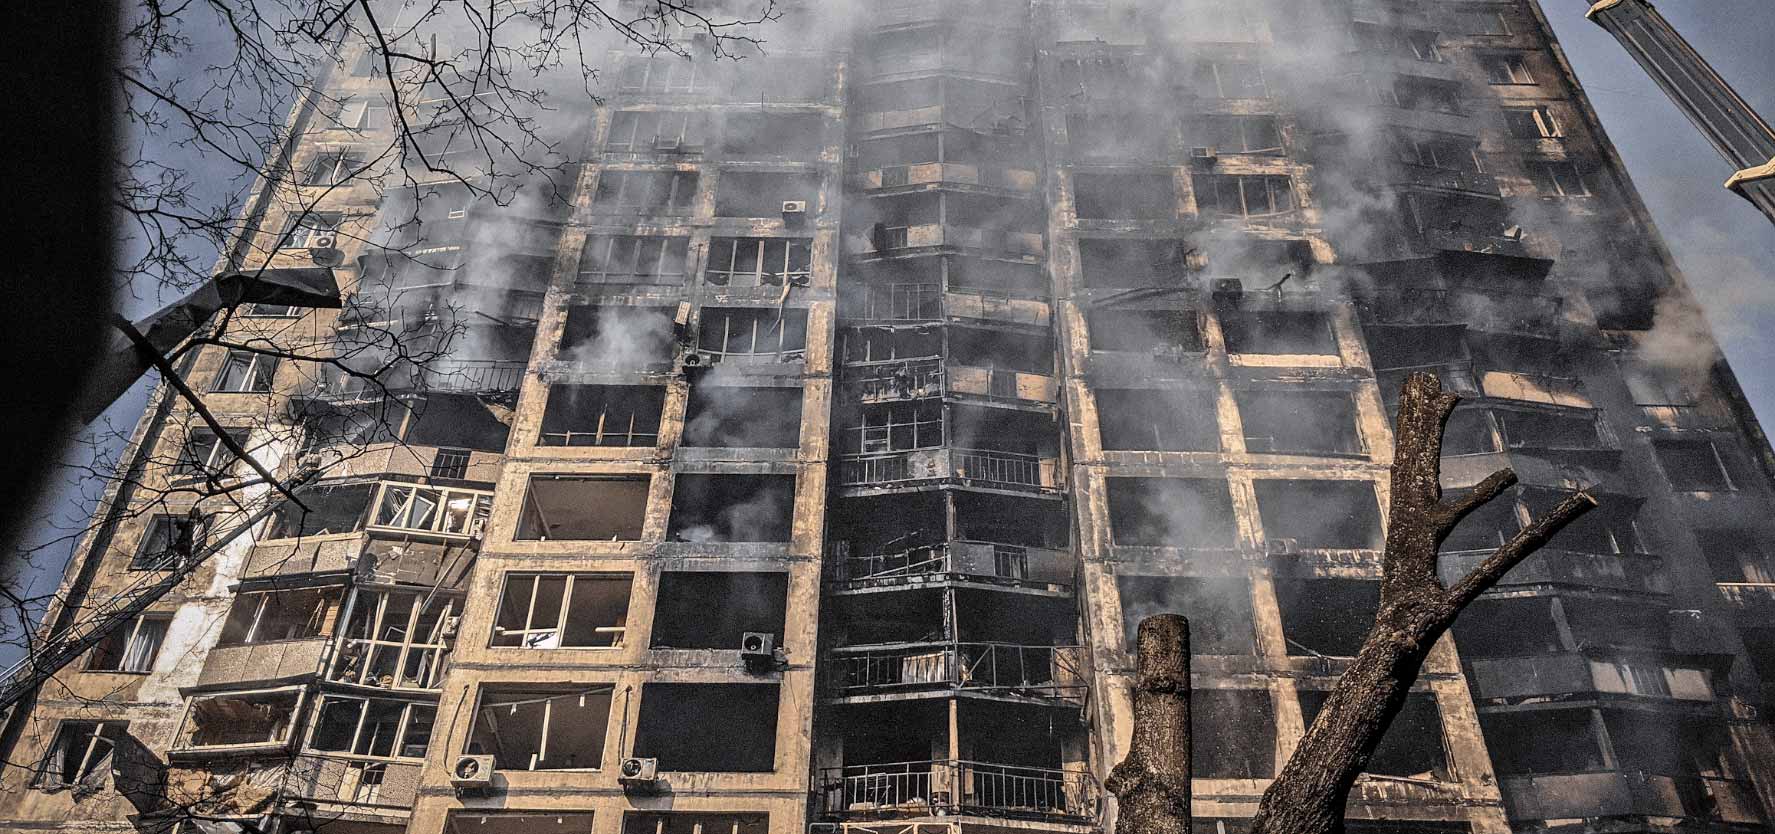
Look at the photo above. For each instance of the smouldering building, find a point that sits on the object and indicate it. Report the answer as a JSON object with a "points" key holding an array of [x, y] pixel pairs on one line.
{"points": [[809, 468]]}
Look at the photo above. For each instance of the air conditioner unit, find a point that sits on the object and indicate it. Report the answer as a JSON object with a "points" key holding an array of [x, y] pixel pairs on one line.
{"points": [[1227, 288], [637, 772], [322, 239], [758, 651], [695, 359], [451, 624], [472, 773], [794, 206], [1283, 547]]}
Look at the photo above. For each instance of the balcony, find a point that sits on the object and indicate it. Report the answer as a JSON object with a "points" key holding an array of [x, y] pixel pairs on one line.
{"points": [[418, 462], [1635, 573], [1444, 179], [370, 787], [1535, 388], [918, 176], [897, 240], [967, 467], [933, 377], [1050, 673], [495, 378], [1749, 596], [1476, 241], [928, 302], [255, 663], [1547, 676], [946, 788], [957, 561], [1609, 794]]}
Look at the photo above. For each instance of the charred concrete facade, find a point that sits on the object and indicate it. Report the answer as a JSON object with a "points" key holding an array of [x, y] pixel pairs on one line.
{"points": [[822, 447]]}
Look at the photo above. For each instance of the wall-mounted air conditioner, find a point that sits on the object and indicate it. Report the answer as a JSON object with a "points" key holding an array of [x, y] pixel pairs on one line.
{"points": [[472, 773]]}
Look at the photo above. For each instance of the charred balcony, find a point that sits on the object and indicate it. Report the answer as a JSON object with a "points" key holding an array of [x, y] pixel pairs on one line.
{"points": [[949, 537], [1601, 552], [931, 443], [988, 106], [956, 761], [945, 222], [1010, 368], [962, 161]]}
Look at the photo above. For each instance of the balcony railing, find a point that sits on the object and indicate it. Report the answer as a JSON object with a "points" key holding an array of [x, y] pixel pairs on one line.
{"points": [[897, 380], [1636, 572], [1445, 179], [1611, 793], [475, 376], [1046, 672], [1010, 470], [957, 787], [954, 561], [1748, 594]]}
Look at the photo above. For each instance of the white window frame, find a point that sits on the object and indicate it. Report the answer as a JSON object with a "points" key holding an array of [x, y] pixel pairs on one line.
{"points": [[261, 369], [1547, 125], [533, 636], [365, 649], [479, 507], [92, 760], [135, 633], [347, 161], [400, 733]]}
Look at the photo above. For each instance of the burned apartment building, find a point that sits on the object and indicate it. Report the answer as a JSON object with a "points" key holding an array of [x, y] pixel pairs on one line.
{"points": [[806, 461]]}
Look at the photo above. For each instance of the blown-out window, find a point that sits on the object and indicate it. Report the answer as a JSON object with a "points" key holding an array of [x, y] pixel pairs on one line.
{"points": [[752, 330], [1244, 195], [245, 372], [383, 728], [542, 728], [168, 540], [449, 512], [562, 610], [80, 754], [633, 259], [645, 192], [283, 614], [753, 261], [395, 639]]}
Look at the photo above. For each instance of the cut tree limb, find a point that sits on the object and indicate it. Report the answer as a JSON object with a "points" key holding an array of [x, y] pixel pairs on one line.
{"points": [[1309, 795], [1152, 785]]}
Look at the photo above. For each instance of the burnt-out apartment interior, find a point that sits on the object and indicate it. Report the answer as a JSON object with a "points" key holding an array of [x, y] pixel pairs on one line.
{"points": [[802, 453]]}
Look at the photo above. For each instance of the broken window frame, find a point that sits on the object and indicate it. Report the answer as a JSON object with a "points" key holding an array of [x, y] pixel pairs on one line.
{"points": [[921, 428], [355, 660], [401, 740], [332, 166], [671, 130], [1440, 151], [532, 635], [785, 320], [132, 648], [454, 512], [665, 73], [547, 698], [185, 741], [1162, 423], [315, 627], [731, 265], [1235, 195], [645, 192], [659, 822], [183, 537], [1562, 178], [1506, 69], [1726, 483], [1536, 122], [204, 454], [638, 259], [618, 423], [1314, 402], [245, 372], [291, 519], [1213, 75], [100, 744], [1251, 130], [300, 233]]}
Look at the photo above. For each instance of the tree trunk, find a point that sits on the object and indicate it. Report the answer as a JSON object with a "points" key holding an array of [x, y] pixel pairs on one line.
{"points": [[1309, 795], [1152, 785]]}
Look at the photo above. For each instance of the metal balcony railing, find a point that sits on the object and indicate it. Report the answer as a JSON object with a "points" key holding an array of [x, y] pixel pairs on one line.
{"points": [[1010, 470], [475, 376], [896, 380], [957, 560], [957, 787], [1047, 672], [1745, 594], [1445, 179]]}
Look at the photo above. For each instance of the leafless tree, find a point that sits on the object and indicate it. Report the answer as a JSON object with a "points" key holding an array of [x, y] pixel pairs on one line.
{"points": [[226, 102], [1416, 608]]}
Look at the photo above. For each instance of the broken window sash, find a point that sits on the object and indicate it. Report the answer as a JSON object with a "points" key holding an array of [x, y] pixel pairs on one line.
{"points": [[79, 754], [748, 331], [602, 415], [283, 614], [417, 509], [1234, 134], [529, 729], [645, 192], [1240, 195], [1506, 70], [1230, 79], [752, 262], [633, 259], [896, 427], [245, 372], [1559, 179], [378, 728], [204, 453], [332, 166], [645, 131], [131, 648], [1693, 465], [395, 639], [168, 540], [665, 74], [258, 718], [331, 508], [1532, 122], [556, 611]]}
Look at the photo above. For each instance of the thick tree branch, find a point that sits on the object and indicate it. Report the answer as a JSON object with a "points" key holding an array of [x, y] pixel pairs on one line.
{"points": [[1152, 785], [1449, 515], [1520, 546]]}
